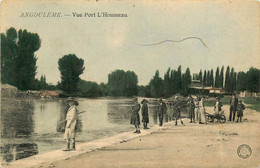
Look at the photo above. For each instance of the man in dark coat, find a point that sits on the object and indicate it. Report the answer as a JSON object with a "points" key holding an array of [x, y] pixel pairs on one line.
{"points": [[177, 110], [191, 107], [240, 108], [233, 107], [145, 114], [135, 118], [161, 111]]}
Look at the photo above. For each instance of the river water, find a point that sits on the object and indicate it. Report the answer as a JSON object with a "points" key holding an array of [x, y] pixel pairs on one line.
{"points": [[30, 127]]}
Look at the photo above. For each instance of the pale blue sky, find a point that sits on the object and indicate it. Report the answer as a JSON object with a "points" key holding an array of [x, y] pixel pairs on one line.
{"points": [[231, 31]]}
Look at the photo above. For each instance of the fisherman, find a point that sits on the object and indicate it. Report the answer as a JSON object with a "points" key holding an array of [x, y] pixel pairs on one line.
{"points": [[217, 107], [191, 106], [177, 110], [161, 111], [233, 107], [240, 108], [135, 118], [145, 114], [71, 118]]}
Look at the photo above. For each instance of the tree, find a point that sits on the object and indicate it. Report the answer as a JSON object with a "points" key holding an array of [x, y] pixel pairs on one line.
{"points": [[178, 79], [253, 76], [208, 78], [18, 60], [241, 81], [71, 67], [156, 85], [200, 76], [9, 51], [121, 83], [167, 83], [186, 81], [204, 83], [221, 78], [88, 89], [217, 83], [211, 77], [227, 79]]}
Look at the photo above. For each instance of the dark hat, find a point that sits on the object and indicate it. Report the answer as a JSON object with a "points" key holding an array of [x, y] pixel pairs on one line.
{"points": [[73, 100], [240, 101], [144, 101]]}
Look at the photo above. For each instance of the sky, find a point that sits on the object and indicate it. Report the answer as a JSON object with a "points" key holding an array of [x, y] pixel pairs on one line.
{"points": [[229, 28]]}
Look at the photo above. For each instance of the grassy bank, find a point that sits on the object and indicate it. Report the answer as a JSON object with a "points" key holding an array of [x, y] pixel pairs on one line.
{"points": [[253, 103]]}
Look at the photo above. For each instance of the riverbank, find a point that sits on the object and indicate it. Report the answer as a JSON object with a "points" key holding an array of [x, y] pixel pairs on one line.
{"points": [[192, 145]]}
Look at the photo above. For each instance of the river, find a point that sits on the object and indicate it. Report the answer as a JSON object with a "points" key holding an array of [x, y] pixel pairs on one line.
{"points": [[30, 127]]}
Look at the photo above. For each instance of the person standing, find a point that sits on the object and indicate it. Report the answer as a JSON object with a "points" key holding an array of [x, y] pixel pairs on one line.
{"points": [[240, 108], [161, 111], [197, 108], [233, 107], [202, 112], [191, 107], [71, 118], [135, 118], [217, 107], [145, 114], [177, 110]]}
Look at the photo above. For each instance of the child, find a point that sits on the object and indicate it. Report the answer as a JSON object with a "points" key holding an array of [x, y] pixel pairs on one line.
{"points": [[240, 108]]}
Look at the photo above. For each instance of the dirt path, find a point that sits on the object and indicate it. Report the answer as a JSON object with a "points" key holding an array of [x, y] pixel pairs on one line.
{"points": [[192, 145]]}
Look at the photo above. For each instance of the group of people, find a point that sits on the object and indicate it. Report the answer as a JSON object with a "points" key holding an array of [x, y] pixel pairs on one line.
{"points": [[195, 107]]}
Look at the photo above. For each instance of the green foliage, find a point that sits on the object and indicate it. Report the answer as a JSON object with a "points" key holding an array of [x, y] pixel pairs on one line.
{"points": [[144, 91], [227, 79], [121, 83], [253, 76], [103, 89], [71, 67], [88, 89], [156, 85], [18, 60], [253, 103], [217, 77], [221, 77], [241, 81]]}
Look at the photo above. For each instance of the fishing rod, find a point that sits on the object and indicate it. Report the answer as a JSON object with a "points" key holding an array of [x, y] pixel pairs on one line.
{"points": [[57, 124]]}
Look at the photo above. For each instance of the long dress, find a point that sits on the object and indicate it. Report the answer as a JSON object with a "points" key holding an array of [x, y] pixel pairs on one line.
{"points": [[145, 114], [202, 114], [71, 117], [135, 118]]}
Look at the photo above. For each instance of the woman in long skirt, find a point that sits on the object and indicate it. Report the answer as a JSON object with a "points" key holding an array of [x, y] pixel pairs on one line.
{"points": [[145, 113], [135, 118]]}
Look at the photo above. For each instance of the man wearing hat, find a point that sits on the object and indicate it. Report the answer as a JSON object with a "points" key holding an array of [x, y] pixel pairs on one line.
{"points": [[71, 118], [177, 110], [161, 111], [240, 108], [145, 113], [233, 107], [135, 118], [191, 107]]}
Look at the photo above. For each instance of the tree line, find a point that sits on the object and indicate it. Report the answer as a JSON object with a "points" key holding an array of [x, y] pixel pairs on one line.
{"points": [[18, 62]]}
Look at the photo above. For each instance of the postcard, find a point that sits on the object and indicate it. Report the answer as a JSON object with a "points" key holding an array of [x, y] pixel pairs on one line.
{"points": [[149, 83]]}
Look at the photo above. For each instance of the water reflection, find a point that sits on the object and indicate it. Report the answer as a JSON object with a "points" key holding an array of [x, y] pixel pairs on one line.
{"points": [[17, 129], [36, 126], [119, 112]]}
